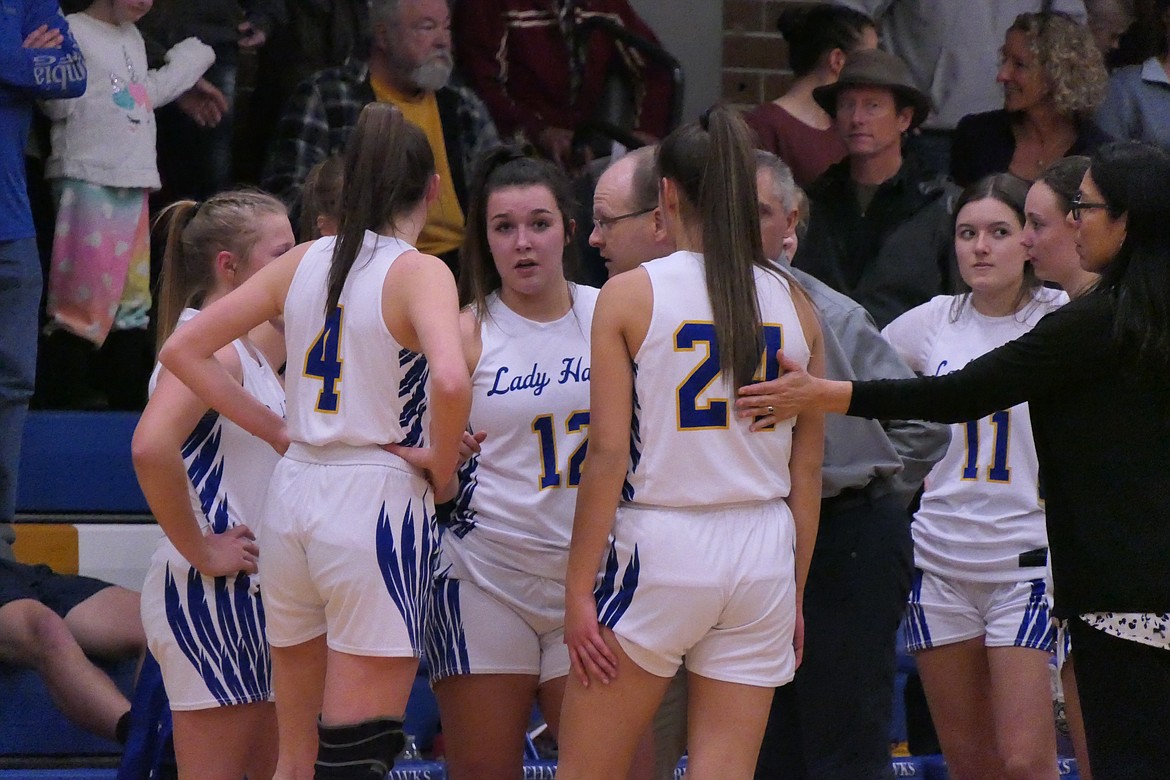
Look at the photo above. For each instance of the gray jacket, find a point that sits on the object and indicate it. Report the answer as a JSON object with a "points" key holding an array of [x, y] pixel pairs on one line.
{"points": [[859, 451]]}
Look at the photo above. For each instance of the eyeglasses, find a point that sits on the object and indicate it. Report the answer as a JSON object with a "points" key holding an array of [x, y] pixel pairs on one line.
{"points": [[1076, 206], [605, 223]]}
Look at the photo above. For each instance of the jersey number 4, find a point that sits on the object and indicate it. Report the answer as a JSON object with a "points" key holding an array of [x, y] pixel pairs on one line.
{"points": [[713, 413], [998, 471], [542, 426], [323, 361]]}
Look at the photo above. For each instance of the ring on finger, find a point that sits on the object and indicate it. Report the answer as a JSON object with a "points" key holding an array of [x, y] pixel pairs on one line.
{"points": [[771, 410]]}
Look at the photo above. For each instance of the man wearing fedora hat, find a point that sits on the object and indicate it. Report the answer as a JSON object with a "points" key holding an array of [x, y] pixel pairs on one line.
{"points": [[951, 48], [880, 227]]}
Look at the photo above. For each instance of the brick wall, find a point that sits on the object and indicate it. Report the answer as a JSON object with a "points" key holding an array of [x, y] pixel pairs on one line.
{"points": [[755, 57]]}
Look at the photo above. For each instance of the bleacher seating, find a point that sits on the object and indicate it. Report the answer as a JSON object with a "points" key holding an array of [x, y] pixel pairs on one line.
{"points": [[30, 726], [79, 463], [75, 474]]}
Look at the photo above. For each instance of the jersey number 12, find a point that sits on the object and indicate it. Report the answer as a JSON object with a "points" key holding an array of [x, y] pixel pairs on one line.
{"points": [[542, 426]]}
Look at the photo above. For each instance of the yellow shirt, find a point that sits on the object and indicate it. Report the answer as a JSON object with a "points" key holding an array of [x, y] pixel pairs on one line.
{"points": [[444, 229]]}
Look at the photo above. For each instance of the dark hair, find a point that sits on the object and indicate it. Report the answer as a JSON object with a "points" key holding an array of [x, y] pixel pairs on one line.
{"points": [[1063, 177], [712, 164], [1132, 176], [1158, 36], [811, 32], [1011, 191], [1147, 35], [321, 196], [499, 168], [1007, 188], [195, 234], [1161, 38], [388, 165]]}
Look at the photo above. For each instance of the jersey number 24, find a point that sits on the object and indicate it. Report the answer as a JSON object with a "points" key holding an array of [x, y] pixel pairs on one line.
{"points": [[713, 413]]}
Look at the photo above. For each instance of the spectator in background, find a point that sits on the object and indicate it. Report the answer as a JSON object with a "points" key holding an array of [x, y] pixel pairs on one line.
{"points": [[1108, 20], [50, 621], [542, 76], [409, 66], [38, 60], [820, 39], [950, 47], [1137, 102], [195, 139], [1053, 78], [320, 34], [879, 229], [103, 167]]}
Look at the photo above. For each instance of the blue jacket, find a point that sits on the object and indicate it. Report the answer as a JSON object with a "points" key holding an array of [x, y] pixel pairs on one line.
{"points": [[27, 75]]}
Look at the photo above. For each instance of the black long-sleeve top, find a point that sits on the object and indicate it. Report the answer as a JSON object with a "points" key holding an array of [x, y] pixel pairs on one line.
{"points": [[984, 144], [1102, 431]]}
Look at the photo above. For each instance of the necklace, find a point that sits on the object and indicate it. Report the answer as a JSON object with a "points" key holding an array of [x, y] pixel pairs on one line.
{"points": [[129, 65], [1046, 151], [117, 82]]}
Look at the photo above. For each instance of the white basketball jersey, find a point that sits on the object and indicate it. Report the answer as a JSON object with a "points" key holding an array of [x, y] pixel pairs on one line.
{"points": [[982, 506], [687, 447], [228, 468], [348, 380], [530, 395]]}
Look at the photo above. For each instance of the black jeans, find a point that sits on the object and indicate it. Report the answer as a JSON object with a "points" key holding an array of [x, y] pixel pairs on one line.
{"points": [[833, 720]]}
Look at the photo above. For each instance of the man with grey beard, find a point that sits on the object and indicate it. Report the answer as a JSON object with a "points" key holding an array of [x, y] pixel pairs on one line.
{"points": [[409, 66]]}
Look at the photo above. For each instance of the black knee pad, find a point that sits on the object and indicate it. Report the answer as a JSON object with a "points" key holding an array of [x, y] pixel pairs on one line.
{"points": [[358, 751]]}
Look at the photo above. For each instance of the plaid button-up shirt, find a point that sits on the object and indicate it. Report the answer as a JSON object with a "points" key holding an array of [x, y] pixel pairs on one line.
{"points": [[325, 107]]}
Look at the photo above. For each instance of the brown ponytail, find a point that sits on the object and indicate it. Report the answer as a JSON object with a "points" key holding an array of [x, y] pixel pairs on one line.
{"points": [[388, 164], [712, 163]]}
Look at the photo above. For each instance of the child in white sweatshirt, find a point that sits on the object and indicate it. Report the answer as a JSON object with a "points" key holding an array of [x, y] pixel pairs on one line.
{"points": [[103, 167]]}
